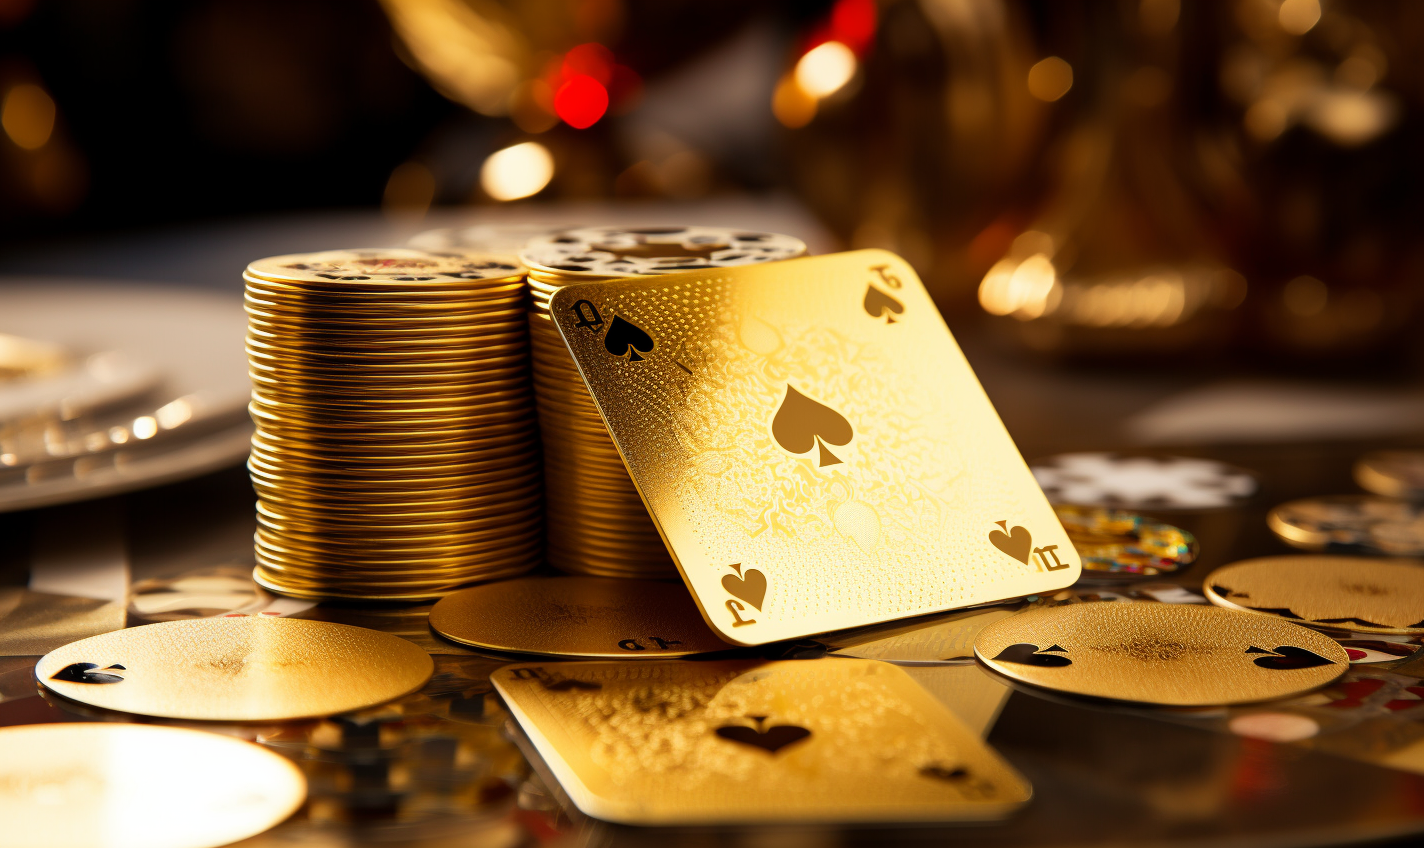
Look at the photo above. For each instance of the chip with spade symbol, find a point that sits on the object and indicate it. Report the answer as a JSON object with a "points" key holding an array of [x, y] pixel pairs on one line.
{"points": [[1179, 655], [831, 740], [1360, 594], [811, 469], [243, 668]]}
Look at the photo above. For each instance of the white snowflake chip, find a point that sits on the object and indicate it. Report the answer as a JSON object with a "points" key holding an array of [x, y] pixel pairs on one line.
{"points": [[1142, 482]]}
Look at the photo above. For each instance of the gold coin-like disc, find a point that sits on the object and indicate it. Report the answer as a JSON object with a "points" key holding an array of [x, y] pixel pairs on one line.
{"points": [[1367, 524], [1351, 593], [1170, 654], [1393, 473], [110, 785], [252, 668], [577, 617]]}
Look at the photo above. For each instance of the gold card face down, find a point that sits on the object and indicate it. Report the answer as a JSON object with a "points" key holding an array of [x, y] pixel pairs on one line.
{"points": [[812, 444], [829, 740]]}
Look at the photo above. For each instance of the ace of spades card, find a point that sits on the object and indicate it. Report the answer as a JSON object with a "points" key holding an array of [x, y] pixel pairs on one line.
{"points": [[812, 445], [727, 742]]}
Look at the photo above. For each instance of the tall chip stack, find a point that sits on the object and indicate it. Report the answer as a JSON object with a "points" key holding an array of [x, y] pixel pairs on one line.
{"points": [[396, 454]]}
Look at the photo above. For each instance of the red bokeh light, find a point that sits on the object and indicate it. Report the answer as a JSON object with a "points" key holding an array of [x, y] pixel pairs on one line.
{"points": [[853, 23], [581, 101]]}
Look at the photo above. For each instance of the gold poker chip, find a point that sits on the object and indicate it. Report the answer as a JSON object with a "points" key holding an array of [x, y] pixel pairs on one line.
{"points": [[1182, 655], [111, 785], [1369, 524], [577, 616], [1392, 473], [247, 668], [1361, 594]]}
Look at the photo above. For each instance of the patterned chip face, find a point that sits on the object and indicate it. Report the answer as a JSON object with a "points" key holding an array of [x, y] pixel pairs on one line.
{"points": [[1142, 482], [389, 264], [603, 252]]}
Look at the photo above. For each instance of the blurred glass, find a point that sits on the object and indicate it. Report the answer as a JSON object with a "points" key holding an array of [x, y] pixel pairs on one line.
{"points": [[930, 145], [1246, 174], [1139, 177]]}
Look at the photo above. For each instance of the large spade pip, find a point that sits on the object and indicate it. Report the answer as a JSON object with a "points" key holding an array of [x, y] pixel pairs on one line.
{"points": [[801, 424]]}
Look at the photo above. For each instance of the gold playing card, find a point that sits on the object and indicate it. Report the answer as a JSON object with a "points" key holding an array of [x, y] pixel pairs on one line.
{"points": [[828, 740], [812, 444]]}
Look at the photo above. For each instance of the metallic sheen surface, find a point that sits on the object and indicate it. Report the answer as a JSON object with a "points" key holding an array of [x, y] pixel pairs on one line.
{"points": [[814, 448], [805, 741], [1169, 654], [80, 785], [1360, 594], [249, 668], [577, 616]]}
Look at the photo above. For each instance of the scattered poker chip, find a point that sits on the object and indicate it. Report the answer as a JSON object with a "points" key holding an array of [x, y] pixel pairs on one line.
{"points": [[1361, 594], [244, 668], [112, 785], [1168, 654], [1367, 524], [1392, 473], [1114, 544], [1142, 482], [613, 252], [577, 616]]}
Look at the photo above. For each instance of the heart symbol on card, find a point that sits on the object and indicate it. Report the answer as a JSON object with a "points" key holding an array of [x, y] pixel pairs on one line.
{"points": [[770, 739], [750, 587], [1017, 543]]}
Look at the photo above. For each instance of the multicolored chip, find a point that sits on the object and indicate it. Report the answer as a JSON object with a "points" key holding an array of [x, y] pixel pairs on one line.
{"points": [[1116, 545]]}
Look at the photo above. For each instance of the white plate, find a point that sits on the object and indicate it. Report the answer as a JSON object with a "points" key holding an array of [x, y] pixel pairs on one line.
{"points": [[194, 339]]}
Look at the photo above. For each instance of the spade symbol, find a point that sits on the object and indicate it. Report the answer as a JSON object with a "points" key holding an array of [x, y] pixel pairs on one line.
{"points": [[625, 338], [1025, 654], [770, 739], [1290, 657], [82, 672], [948, 775], [878, 304], [801, 424]]}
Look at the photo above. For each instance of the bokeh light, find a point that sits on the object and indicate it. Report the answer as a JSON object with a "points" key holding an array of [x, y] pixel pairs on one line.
{"points": [[28, 116], [1050, 79], [825, 69], [581, 101], [791, 105], [519, 171], [1298, 17]]}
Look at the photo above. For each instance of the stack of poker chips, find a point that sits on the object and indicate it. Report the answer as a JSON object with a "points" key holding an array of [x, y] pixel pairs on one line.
{"points": [[597, 521], [396, 452]]}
